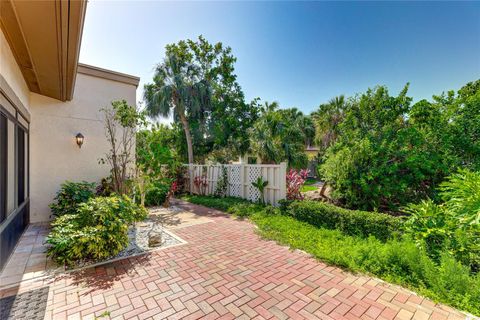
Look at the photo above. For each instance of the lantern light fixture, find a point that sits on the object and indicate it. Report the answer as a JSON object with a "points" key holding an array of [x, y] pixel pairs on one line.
{"points": [[79, 138]]}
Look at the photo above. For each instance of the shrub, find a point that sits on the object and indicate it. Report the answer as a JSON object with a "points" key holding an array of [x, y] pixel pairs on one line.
{"points": [[452, 225], [351, 222], [156, 193], [98, 230], [295, 182], [70, 195]]}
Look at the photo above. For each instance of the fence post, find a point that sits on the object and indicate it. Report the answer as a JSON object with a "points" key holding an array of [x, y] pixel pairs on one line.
{"points": [[283, 180]]}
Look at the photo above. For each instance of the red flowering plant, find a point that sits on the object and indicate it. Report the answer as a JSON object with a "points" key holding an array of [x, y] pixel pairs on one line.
{"points": [[201, 184], [295, 181], [171, 193]]}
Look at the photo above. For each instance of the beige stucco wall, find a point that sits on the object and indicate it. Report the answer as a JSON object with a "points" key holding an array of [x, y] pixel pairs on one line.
{"points": [[54, 155], [11, 72]]}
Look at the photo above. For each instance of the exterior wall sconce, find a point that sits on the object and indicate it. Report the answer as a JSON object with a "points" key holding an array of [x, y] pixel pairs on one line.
{"points": [[79, 137]]}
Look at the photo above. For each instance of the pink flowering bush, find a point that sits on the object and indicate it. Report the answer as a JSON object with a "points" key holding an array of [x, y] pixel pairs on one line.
{"points": [[295, 181]]}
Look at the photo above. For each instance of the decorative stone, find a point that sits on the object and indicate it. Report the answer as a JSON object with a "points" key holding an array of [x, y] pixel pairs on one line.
{"points": [[155, 240]]}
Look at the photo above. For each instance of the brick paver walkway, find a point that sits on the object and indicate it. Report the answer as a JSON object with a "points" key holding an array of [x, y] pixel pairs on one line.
{"points": [[226, 271]]}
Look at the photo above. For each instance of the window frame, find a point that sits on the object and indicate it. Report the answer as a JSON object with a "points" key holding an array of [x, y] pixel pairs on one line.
{"points": [[17, 120]]}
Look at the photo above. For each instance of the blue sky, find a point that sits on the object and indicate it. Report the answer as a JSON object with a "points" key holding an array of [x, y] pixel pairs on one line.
{"points": [[300, 54]]}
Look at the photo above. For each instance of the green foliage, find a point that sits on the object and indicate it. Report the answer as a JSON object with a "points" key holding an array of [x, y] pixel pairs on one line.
{"points": [[281, 135], [453, 225], [156, 192], [222, 183], [382, 153], [378, 161], [351, 222], [70, 195], [260, 184], [196, 82], [98, 230], [157, 163], [327, 120]]}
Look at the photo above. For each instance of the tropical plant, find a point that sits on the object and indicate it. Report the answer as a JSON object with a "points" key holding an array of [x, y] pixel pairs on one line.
{"points": [[453, 225], [196, 83], [171, 193], [70, 195], [201, 183], [177, 89], [382, 153], [295, 181], [261, 184], [157, 164], [379, 160], [278, 135], [327, 120], [97, 230]]}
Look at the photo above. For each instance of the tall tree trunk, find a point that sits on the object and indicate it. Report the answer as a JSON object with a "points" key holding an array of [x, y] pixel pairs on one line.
{"points": [[188, 135]]}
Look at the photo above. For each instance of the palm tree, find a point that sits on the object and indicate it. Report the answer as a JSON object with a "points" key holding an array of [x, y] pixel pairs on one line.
{"points": [[178, 87], [327, 120], [278, 136]]}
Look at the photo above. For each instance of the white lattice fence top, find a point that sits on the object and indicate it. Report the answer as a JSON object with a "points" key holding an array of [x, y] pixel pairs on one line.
{"points": [[240, 178]]}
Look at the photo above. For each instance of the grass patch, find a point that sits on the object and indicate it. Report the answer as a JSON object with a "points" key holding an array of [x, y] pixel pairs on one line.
{"points": [[395, 260], [212, 202], [310, 181], [306, 188]]}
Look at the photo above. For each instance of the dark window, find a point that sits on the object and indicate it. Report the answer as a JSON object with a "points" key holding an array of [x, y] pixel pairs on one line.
{"points": [[20, 165], [3, 167]]}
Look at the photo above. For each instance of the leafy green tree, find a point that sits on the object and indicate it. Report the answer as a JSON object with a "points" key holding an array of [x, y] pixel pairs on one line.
{"points": [[197, 82], [379, 161]]}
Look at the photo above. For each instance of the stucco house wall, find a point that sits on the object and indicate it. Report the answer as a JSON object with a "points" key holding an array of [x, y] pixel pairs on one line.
{"points": [[55, 156], [11, 73]]}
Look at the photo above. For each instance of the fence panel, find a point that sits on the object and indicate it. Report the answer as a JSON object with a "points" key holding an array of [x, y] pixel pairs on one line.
{"points": [[203, 179]]}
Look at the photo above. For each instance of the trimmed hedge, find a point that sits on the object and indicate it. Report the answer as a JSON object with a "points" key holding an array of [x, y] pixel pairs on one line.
{"points": [[351, 222]]}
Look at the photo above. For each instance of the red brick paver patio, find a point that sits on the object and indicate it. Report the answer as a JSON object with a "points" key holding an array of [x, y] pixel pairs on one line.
{"points": [[226, 271]]}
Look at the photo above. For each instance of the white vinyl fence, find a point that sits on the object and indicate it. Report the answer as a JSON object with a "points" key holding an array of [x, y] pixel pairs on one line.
{"points": [[240, 178]]}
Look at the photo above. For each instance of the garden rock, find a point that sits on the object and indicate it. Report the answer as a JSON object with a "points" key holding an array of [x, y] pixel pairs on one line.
{"points": [[155, 240]]}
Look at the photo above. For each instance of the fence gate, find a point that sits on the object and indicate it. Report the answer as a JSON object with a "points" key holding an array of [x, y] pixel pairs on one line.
{"points": [[239, 180]]}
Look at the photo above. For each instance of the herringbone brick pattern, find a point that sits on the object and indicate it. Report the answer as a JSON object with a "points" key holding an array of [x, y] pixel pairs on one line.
{"points": [[226, 271]]}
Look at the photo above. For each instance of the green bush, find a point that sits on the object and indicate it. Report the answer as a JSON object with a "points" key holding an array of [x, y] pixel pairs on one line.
{"points": [[351, 222], [98, 230], [70, 195], [156, 192], [454, 224], [384, 152]]}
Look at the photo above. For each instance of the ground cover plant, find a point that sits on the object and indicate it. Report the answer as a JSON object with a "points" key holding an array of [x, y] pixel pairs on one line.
{"points": [[397, 260]]}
